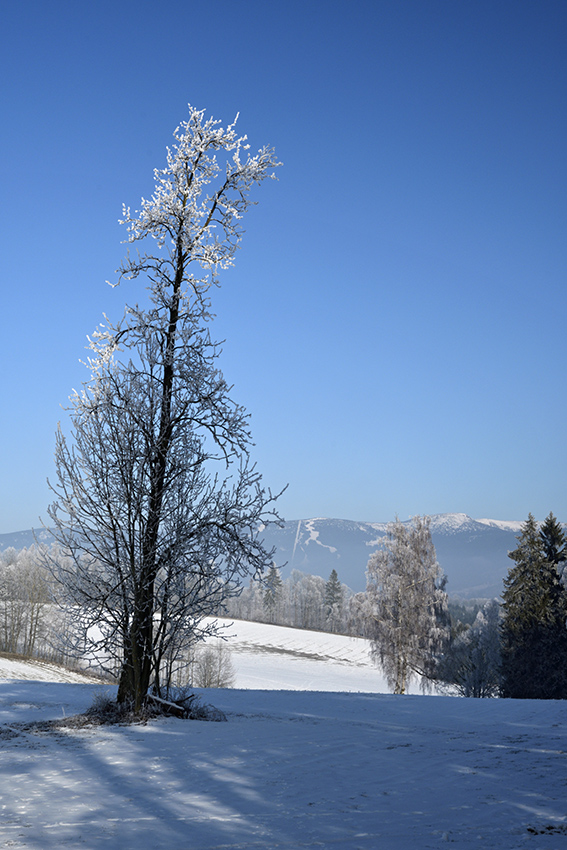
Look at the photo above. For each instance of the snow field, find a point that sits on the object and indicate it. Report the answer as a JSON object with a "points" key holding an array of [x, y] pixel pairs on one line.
{"points": [[290, 768], [278, 657]]}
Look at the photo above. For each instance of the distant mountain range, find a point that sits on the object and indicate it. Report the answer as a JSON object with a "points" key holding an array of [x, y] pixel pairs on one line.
{"points": [[473, 552]]}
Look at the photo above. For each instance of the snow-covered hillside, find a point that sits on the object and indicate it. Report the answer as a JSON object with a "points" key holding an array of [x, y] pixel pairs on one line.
{"points": [[290, 769], [272, 657], [276, 657]]}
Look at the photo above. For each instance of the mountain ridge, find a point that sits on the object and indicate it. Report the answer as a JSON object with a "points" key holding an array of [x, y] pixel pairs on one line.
{"points": [[472, 552]]}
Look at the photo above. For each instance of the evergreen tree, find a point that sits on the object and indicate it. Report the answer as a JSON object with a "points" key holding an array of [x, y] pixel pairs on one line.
{"points": [[553, 539], [471, 664], [333, 601], [534, 636], [273, 588]]}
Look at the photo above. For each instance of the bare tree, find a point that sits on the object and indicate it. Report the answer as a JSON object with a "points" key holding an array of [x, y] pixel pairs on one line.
{"points": [[24, 598], [212, 666], [407, 610], [157, 504]]}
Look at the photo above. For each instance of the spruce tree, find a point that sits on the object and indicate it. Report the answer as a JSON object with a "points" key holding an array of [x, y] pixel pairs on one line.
{"points": [[273, 588], [333, 601], [534, 636], [553, 539]]}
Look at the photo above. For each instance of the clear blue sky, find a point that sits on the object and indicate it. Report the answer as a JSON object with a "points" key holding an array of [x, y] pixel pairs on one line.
{"points": [[395, 322]]}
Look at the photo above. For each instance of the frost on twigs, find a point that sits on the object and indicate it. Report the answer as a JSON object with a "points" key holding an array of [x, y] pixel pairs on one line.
{"points": [[198, 202]]}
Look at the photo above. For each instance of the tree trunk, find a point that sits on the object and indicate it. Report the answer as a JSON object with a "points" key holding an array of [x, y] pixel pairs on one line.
{"points": [[137, 667]]}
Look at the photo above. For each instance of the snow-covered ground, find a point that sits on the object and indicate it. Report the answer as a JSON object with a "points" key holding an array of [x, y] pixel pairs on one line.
{"points": [[290, 768]]}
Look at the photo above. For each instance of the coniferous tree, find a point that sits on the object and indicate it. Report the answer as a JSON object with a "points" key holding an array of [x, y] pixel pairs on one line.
{"points": [[333, 600], [534, 636], [471, 663], [272, 592], [553, 539]]}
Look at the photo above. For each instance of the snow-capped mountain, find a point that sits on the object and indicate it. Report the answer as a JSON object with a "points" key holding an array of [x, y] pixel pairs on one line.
{"points": [[24, 539], [472, 552]]}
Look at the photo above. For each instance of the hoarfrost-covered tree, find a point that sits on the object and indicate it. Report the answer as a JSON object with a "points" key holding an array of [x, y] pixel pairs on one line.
{"points": [[24, 600], [407, 618], [157, 504], [212, 666]]}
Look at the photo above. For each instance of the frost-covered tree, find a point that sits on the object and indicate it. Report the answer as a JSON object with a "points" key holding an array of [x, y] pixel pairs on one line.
{"points": [[534, 633], [307, 600], [407, 619], [212, 666], [471, 663], [157, 504], [24, 600]]}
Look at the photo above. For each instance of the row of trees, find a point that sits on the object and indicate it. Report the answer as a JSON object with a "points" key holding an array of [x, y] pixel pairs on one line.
{"points": [[517, 650], [24, 602], [534, 615], [31, 625], [303, 601]]}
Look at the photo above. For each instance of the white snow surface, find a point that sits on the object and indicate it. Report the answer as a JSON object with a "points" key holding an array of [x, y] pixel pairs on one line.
{"points": [[290, 768], [505, 525], [277, 657]]}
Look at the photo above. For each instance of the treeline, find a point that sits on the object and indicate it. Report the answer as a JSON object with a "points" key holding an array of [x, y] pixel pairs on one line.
{"points": [[31, 625], [24, 603], [303, 601], [517, 649], [514, 649]]}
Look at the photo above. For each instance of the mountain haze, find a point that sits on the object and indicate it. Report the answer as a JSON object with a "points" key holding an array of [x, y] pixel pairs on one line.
{"points": [[472, 552]]}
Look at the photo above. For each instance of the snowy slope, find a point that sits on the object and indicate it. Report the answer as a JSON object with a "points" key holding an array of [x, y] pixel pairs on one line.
{"points": [[276, 657], [265, 656]]}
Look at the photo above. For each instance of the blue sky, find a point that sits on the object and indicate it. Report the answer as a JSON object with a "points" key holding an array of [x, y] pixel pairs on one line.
{"points": [[395, 321]]}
